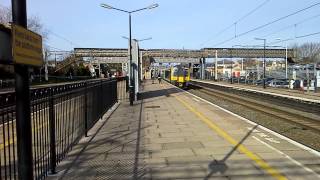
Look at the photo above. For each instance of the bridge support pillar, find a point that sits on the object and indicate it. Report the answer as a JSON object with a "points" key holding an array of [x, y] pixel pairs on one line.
{"points": [[216, 67], [202, 68], [135, 68], [140, 67]]}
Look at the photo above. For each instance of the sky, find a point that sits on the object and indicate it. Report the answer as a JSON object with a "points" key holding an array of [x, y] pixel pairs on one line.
{"points": [[175, 24]]}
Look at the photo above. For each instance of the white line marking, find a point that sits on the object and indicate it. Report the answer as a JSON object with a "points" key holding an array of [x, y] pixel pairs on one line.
{"points": [[196, 99], [259, 126], [287, 156]]}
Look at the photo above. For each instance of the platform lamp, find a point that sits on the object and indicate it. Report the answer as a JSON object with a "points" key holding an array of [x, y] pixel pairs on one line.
{"points": [[279, 39], [130, 40], [264, 60], [139, 40]]}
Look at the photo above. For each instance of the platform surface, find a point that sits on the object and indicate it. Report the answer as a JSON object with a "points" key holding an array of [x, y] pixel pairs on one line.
{"points": [[170, 134]]}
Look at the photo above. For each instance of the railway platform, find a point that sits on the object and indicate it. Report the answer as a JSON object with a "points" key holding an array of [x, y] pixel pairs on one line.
{"points": [[275, 92], [171, 134]]}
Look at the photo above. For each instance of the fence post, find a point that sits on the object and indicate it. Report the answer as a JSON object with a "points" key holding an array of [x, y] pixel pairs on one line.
{"points": [[116, 91], [127, 83], [52, 128], [101, 99], [86, 110], [112, 95]]}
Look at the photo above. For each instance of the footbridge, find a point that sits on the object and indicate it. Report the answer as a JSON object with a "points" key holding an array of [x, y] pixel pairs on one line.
{"points": [[120, 55], [187, 53]]}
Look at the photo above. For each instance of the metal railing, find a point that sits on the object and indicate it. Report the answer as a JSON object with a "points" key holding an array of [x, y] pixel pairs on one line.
{"points": [[37, 80], [61, 115]]}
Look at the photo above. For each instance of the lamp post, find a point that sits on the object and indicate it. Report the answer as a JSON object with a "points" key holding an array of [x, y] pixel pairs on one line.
{"points": [[231, 66], [286, 60], [264, 60], [131, 91]]}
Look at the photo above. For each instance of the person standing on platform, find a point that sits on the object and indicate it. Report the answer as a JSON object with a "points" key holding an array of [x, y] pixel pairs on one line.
{"points": [[159, 78], [152, 76]]}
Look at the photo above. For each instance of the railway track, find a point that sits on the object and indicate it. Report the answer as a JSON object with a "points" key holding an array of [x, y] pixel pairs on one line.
{"points": [[303, 119]]}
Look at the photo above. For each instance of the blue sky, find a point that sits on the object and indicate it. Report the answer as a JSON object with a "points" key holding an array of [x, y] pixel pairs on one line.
{"points": [[174, 24]]}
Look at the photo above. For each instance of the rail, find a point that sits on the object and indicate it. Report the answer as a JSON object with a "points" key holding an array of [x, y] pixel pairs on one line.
{"points": [[61, 115]]}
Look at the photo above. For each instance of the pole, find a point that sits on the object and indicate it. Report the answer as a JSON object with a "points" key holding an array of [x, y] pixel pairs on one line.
{"points": [[40, 74], [242, 64], [86, 109], [140, 67], [131, 88], [22, 88], [216, 68], [286, 61], [315, 76], [264, 64], [55, 60], [202, 60], [231, 67], [308, 77], [46, 67], [52, 130]]}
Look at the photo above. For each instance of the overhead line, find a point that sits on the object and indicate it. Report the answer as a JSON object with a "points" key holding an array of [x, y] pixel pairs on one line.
{"points": [[293, 25], [279, 19], [251, 12], [235, 23], [290, 26], [63, 38], [55, 48], [312, 34], [220, 32], [298, 37], [269, 23]]}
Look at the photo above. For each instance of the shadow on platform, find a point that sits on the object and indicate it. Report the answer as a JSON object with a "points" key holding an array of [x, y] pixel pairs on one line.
{"points": [[220, 166], [113, 151], [158, 93]]}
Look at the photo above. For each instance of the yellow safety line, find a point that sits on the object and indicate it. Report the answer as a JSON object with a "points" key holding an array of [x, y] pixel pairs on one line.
{"points": [[260, 162], [12, 140]]}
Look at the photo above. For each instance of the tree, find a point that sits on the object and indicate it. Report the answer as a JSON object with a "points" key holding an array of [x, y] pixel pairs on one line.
{"points": [[82, 70], [5, 16], [308, 52], [34, 22]]}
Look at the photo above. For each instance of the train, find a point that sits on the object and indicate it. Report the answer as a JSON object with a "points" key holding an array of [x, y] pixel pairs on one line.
{"points": [[178, 75]]}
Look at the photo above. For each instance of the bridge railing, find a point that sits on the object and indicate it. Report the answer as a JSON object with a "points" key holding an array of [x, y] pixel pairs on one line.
{"points": [[60, 115]]}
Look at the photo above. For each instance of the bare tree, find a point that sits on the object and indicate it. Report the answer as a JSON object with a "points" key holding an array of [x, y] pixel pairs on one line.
{"points": [[34, 22], [308, 52], [5, 15]]}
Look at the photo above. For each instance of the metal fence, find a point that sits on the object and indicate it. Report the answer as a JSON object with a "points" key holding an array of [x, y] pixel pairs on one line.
{"points": [[40, 80], [60, 115]]}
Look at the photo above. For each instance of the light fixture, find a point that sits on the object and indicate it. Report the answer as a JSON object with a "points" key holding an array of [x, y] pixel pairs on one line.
{"points": [[106, 6]]}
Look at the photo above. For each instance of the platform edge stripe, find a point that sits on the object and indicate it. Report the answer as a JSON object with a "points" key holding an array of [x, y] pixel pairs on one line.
{"points": [[269, 93], [287, 156], [14, 139], [260, 162], [313, 151]]}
